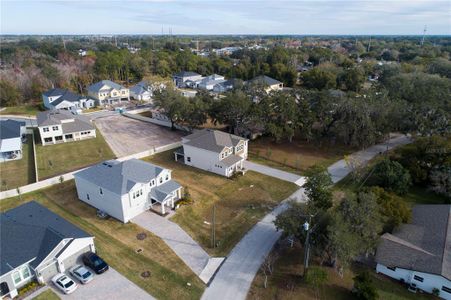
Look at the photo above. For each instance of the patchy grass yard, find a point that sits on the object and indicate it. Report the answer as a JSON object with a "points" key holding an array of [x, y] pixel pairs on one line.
{"points": [[296, 156], [117, 244], [47, 295], [25, 110], [62, 158], [20, 172], [286, 282], [240, 203]]}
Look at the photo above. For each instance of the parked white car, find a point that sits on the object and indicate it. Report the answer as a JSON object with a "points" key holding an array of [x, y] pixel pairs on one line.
{"points": [[81, 273], [64, 283]]}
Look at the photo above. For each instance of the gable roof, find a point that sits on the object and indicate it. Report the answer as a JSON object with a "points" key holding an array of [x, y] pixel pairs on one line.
{"points": [[10, 129], [31, 231], [424, 245], [98, 86], [57, 117], [54, 92], [66, 96], [120, 177], [186, 74], [263, 79], [212, 140], [141, 88]]}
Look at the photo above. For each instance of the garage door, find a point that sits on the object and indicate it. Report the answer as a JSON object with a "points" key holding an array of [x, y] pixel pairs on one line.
{"points": [[73, 259], [49, 271]]}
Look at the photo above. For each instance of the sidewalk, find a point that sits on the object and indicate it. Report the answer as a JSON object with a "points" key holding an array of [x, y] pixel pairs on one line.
{"points": [[283, 175]]}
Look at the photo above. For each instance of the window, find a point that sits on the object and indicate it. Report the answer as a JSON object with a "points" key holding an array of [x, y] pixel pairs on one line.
{"points": [[48, 140], [54, 128], [167, 177], [22, 274], [87, 196], [161, 179], [16, 277], [45, 129], [123, 92], [188, 159], [418, 278], [392, 268], [446, 289], [101, 191]]}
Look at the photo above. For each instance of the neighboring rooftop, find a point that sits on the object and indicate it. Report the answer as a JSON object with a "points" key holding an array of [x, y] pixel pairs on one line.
{"points": [[263, 79], [98, 86], [120, 177], [10, 129], [424, 245], [63, 95], [70, 122], [212, 140], [31, 231]]}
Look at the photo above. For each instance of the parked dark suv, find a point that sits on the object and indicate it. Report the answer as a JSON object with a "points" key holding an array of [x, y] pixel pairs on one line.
{"points": [[93, 261]]}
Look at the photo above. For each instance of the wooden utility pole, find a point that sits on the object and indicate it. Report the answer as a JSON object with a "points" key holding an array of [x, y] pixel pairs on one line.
{"points": [[213, 233]]}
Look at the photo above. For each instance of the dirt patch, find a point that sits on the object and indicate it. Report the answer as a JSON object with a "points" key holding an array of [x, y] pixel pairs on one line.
{"points": [[127, 136]]}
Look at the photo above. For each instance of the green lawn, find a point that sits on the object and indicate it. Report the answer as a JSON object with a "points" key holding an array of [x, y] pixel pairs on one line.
{"points": [[421, 195], [240, 203], [19, 172], [61, 158], [117, 244], [25, 110], [47, 295], [286, 282], [295, 157]]}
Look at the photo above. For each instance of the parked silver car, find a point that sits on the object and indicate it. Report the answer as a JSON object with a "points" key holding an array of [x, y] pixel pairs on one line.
{"points": [[81, 273], [64, 283]]}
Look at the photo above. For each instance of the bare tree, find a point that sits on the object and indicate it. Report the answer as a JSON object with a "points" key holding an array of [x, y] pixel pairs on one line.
{"points": [[268, 266]]}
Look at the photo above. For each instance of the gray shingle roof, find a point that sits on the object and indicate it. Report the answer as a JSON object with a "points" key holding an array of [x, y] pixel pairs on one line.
{"points": [[10, 129], [263, 79], [55, 117], [212, 140], [54, 92], [120, 177], [231, 160], [424, 245], [161, 192], [66, 96], [96, 87], [186, 74], [31, 231]]}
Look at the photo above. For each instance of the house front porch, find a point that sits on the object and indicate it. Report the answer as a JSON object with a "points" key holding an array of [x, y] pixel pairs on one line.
{"points": [[162, 198]]}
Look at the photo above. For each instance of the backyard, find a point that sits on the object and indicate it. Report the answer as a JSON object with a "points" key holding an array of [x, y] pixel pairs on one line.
{"points": [[61, 158], [239, 203], [117, 243], [25, 110], [19, 172], [286, 281], [295, 157]]}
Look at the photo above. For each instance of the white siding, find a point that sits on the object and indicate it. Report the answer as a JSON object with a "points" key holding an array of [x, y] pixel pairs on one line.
{"points": [[430, 281], [203, 159]]}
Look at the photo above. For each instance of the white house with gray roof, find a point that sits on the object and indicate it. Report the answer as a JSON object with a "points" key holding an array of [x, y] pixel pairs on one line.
{"points": [[64, 99], [11, 133], [126, 189], [213, 150], [36, 244], [108, 92], [419, 253], [185, 78], [60, 126]]}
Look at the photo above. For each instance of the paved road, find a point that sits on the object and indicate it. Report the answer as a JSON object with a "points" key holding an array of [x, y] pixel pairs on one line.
{"points": [[109, 285], [235, 277], [176, 238], [274, 172]]}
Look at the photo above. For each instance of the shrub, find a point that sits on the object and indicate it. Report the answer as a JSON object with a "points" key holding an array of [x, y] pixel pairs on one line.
{"points": [[391, 175], [364, 288]]}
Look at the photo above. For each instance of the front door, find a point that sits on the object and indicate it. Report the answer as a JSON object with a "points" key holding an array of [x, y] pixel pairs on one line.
{"points": [[4, 288]]}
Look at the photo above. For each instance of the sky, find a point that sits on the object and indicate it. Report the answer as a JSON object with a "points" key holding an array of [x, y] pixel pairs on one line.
{"points": [[395, 17]]}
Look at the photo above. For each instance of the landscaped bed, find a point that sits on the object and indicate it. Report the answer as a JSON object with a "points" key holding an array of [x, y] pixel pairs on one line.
{"points": [[239, 203], [117, 244], [16, 173], [61, 158], [295, 157]]}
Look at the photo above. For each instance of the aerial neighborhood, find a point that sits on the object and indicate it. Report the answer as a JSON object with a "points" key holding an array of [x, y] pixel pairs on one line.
{"points": [[224, 167]]}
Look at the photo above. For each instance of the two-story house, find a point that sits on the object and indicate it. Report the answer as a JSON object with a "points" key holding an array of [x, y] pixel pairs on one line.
{"points": [[60, 126], [65, 99], [141, 91], [269, 84], [37, 244], [126, 189], [180, 79], [108, 92], [213, 150], [209, 82], [11, 133]]}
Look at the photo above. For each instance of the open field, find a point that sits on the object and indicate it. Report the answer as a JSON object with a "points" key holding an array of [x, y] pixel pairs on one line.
{"points": [[286, 282], [47, 295], [25, 110], [117, 244], [295, 157], [65, 157], [240, 203], [20, 172], [128, 136]]}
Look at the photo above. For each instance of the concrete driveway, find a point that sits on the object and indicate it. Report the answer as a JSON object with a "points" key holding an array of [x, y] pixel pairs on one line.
{"points": [[127, 136], [299, 180], [109, 285]]}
